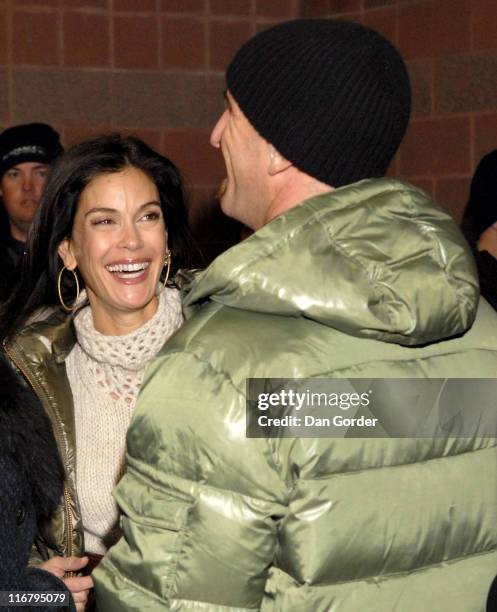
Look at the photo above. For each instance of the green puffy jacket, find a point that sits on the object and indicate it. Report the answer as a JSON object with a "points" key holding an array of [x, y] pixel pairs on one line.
{"points": [[371, 280]]}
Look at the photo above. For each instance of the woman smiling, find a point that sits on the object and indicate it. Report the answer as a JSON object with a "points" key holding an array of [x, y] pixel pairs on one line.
{"points": [[93, 308]]}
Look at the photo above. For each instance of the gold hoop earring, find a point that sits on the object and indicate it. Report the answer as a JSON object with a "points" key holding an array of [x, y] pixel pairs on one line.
{"points": [[167, 265], [59, 280]]}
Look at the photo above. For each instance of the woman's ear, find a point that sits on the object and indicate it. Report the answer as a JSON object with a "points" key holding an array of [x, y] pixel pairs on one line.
{"points": [[66, 254], [277, 163]]}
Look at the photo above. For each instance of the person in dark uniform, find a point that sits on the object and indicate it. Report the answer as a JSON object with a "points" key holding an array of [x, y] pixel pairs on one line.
{"points": [[26, 152]]}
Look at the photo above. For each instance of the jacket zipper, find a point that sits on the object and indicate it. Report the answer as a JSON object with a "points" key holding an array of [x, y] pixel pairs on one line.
{"points": [[39, 392]]}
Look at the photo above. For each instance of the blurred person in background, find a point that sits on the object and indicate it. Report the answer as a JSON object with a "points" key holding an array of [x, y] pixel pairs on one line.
{"points": [[26, 152], [110, 232], [480, 224]]}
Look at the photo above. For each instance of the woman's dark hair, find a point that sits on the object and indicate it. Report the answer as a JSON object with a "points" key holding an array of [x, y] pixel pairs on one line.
{"points": [[54, 219], [481, 209]]}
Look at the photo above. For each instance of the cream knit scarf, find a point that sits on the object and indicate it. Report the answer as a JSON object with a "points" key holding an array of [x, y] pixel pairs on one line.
{"points": [[105, 374]]}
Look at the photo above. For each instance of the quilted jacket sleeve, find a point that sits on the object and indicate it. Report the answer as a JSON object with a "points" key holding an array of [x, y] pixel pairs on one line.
{"points": [[200, 502]]}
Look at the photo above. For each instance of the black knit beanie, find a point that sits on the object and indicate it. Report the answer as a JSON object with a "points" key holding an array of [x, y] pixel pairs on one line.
{"points": [[31, 142], [333, 97]]}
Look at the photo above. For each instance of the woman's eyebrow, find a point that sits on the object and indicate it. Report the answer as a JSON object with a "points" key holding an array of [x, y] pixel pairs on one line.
{"points": [[100, 209], [106, 209]]}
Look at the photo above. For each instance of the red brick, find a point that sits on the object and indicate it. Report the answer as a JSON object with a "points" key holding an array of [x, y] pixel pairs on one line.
{"points": [[135, 5], [4, 97], [466, 83], [423, 30], [230, 7], [183, 43], [86, 39], [225, 40], [421, 76], [67, 96], [393, 168], [3, 37], [36, 37], [36, 3], [436, 146], [356, 17], [154, 100], [102, 4], [427, 185], [135, 42], [484, 24], [183, 6], [275, 8], [485, 136], [191, 151], [150, 137], [452, 194], [383, 21], [343, 6], [264, 25], [76, 134], [375, 3], [214, 99], [314, 8], [414, 30]]}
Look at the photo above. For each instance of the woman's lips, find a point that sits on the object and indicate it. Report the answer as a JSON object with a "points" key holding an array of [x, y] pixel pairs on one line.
{"points": [[129, 273], [131, 278]]}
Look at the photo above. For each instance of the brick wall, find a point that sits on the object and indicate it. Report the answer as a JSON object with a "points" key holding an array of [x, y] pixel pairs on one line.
{"points": [[451, 51], [154, 68]]}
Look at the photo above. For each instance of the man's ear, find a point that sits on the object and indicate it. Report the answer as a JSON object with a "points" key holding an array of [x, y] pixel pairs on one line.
{"points": [[66, 254], [277, 163]]}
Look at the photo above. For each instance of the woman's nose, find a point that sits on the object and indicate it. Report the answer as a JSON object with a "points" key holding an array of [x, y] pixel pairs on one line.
{"points": [[131, 237]]}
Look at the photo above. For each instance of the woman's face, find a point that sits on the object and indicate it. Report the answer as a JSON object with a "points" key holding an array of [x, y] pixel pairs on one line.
{"points": [[118, 243]]}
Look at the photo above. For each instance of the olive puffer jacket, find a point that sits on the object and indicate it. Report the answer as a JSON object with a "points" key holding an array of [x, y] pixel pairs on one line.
{"points": [[371, 280], [38, 352]]}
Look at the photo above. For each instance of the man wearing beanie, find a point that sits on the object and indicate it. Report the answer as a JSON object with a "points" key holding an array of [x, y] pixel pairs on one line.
{"points": [[348, 276], [25, 154]]}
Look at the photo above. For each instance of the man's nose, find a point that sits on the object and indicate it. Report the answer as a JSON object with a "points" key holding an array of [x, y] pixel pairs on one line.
{"points": [[218, 130], [27, 182]]}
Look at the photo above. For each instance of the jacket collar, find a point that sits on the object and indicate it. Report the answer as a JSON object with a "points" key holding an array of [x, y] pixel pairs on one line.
{"points": [[374, 259], [53, 336]]}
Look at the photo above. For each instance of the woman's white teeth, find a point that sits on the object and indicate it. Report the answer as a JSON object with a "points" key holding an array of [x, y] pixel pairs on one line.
{"points": [[131, 267]]}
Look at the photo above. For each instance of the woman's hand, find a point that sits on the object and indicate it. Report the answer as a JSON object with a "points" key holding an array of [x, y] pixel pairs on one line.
{"points": [[79, 585], [488, 240]]}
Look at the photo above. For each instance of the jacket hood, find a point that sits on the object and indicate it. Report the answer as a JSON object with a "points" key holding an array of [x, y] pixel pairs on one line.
{"points": [[375, 259]]}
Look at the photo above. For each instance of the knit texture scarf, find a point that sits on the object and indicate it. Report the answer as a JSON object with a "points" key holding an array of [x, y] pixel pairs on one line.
{"points": [[105, 374]]}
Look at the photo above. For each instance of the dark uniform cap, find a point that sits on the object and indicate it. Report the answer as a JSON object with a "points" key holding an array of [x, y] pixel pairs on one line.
{"points": [[32, 142]]}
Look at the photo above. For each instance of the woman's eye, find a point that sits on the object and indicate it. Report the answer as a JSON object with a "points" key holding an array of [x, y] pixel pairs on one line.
{"points": [[151, 216], [101, 221], [13, 174]]}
